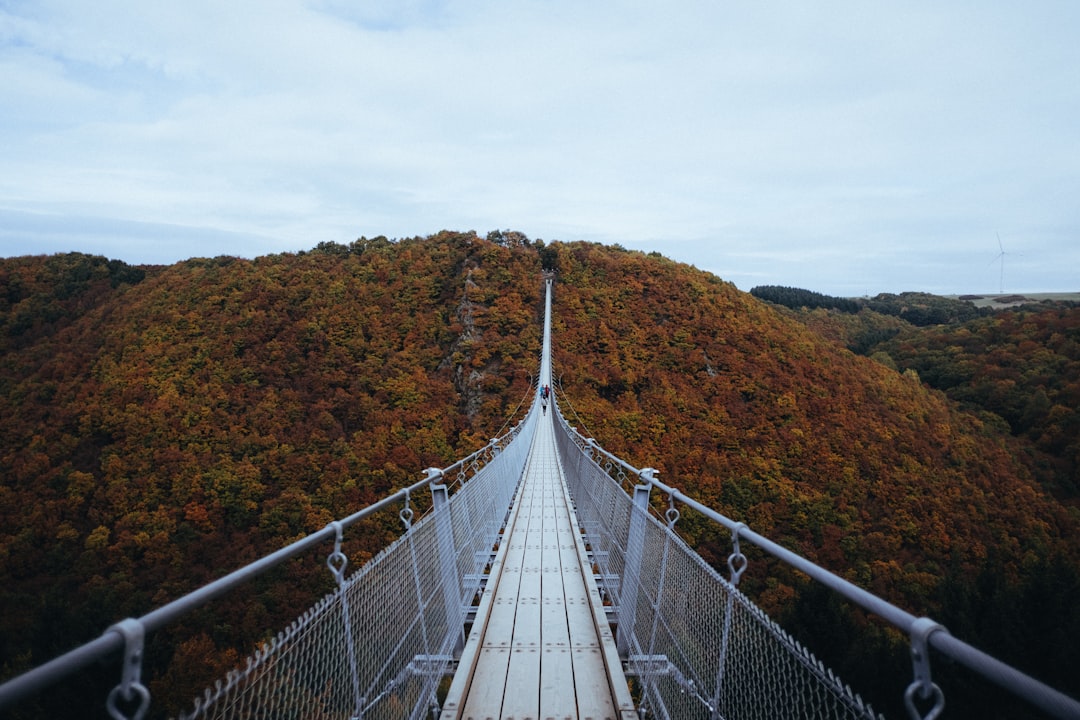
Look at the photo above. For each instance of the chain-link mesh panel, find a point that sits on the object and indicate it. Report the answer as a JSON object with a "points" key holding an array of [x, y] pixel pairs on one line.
{"points": [[479, 511], [699, 647], [379, 646]]}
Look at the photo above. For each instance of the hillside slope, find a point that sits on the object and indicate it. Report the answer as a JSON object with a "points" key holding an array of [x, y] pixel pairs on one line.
{"points": [[157, 434], [851, 463], [162, 425]]}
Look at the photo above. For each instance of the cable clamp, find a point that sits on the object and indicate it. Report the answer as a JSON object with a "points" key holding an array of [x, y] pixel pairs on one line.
{"points": [[648, 475]]}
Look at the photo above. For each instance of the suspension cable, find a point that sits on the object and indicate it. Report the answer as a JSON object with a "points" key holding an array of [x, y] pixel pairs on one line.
{"points": [[581, 423], [513, 415]]}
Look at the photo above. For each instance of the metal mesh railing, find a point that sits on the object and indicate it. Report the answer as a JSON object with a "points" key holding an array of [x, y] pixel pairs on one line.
{"points": [[702, 649], [698, 647], [379, 646], [366, 650]]}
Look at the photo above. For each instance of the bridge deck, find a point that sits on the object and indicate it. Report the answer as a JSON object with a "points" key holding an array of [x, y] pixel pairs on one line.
{"points": [[541, 646]]}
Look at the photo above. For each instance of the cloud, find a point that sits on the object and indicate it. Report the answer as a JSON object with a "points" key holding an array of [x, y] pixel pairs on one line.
{"points": [[711, 132], [134, 242]]}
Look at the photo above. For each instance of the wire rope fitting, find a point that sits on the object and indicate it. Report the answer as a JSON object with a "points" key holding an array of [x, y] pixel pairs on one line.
{"points": [[406, 513], [922, 685], [432, 475], [130, 687], [590, 443], [648, 475], [337, 560], [736, 561], [672, 514]]}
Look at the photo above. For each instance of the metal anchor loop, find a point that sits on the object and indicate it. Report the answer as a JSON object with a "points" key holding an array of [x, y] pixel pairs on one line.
{"points": [[337, 561], [406, 513], [130, 687], [914, 712], [736, 561], [923, 687], [672, 514]]}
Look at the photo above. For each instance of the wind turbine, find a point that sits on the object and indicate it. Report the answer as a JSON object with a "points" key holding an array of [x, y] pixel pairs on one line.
{"points": [[1000, 258]]}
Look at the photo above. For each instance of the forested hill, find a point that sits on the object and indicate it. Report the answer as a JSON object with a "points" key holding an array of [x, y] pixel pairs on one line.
{"points": [[161, 425]]}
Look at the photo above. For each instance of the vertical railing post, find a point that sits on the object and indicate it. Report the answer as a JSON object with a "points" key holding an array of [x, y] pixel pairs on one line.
{"points": [[635, 550], [337, 562], [737, 564], [444, 533]]}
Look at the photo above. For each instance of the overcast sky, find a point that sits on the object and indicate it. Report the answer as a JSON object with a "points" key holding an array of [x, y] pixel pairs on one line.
{"points": [[845, 147]]}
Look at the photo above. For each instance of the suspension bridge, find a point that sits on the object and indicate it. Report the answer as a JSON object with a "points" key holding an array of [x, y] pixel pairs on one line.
{"points": [[539, 584]]}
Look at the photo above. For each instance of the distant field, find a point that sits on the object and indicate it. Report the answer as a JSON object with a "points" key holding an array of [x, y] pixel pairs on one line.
{"points": [[1006, 300]]}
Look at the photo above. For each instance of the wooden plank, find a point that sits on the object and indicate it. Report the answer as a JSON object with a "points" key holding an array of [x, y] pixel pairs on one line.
{"points": [[558, 701], [579, 618], [593, 692], [554, 631], [486, 691], [531, 584], [579, 613], [527, 623], [521, 699], [500, 626]]}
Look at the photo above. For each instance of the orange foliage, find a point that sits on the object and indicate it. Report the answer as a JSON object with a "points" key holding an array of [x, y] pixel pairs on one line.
{"points": [[161, 426]]}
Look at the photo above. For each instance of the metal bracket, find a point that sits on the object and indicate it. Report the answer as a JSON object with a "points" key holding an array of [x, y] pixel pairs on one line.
{"points": [[130, 687], [646, 666], [923, 686]]}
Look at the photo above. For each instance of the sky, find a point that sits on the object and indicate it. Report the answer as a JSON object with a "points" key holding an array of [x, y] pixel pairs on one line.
{"points": [[849, 147]]}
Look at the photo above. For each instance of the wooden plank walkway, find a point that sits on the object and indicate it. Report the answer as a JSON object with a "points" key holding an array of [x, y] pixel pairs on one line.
{"points": [[540, 647]]}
